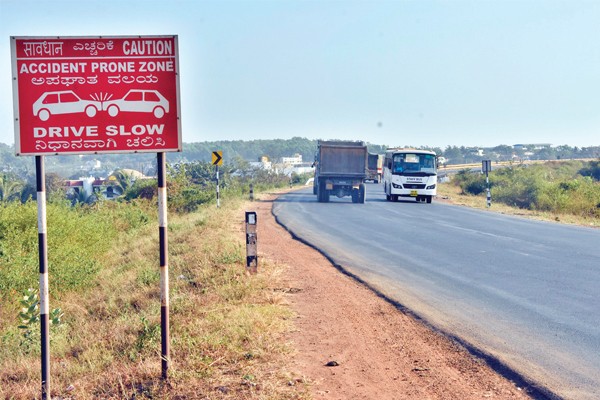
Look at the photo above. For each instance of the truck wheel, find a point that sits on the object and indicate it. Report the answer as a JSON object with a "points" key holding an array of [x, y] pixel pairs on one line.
{"points": [[362, 193], [354, 196], [319, 193], [314, 189], [323, 194]]}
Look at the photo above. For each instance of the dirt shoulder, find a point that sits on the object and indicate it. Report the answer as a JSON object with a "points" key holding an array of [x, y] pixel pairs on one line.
{"points": [[381, 353]]}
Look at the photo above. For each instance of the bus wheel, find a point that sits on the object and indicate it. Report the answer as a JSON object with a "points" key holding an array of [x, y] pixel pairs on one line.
{"points": [[429, 199]]}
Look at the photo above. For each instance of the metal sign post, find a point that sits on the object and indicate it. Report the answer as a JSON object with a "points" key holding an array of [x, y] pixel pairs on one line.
{"points": [[217, 159], [218, 197], [486, 166], [164, 265], [43, 261], [251, 243]]}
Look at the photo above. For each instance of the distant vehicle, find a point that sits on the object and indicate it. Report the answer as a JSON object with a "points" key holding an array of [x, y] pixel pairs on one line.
{"points": [[148, 101], [410, 173], [375, 167], [63, 102], [340, 170]]}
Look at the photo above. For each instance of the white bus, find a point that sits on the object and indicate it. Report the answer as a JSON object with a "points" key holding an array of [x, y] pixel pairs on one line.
{"points": [[410, 173]]}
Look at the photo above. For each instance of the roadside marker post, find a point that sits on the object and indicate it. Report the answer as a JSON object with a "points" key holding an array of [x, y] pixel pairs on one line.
{"points": [[486, 166], [251, 192], [251, 243]]}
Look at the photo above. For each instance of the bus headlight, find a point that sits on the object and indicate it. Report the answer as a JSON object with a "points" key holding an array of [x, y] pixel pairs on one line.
{"points": [[430, 187], [396, 186]]}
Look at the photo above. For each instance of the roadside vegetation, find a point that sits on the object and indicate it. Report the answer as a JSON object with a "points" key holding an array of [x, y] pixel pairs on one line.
{"points": [[567, 190], [226, 326], [273, 149]]}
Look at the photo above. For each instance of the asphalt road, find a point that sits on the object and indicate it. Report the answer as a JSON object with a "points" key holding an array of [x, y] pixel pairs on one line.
{"points": [[526, 293]]}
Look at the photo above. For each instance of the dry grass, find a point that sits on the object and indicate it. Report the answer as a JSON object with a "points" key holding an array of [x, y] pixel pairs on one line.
{"points": [[226, 326], [453, 194]]}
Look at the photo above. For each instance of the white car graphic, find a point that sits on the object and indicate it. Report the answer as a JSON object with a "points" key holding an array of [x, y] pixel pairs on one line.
{"points": [[63, 102], [149, 101]]}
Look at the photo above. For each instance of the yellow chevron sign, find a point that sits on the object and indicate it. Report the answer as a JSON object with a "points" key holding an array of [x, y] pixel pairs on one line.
{"points": [[217, 157]]}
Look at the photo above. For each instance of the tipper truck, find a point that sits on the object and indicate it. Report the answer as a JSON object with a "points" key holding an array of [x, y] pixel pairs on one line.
{"points": [[340, 170], [375, 167]]}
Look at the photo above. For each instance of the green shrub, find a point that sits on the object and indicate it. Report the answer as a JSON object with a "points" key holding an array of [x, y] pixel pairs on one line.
{"points": [[142, 189], [592, 169], [557, 187], [470, 183]]}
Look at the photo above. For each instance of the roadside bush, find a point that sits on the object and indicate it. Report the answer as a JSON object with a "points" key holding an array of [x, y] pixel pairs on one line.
{"points": [[142, 189], [470, 183], [556, 187], [592, 169], [188, 199]]}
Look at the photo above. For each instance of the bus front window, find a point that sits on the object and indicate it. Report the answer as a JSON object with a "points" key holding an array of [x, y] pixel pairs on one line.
{"points": [[414, 164]]}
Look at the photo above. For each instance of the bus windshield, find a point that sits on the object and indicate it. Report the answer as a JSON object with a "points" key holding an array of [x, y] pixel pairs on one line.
{"points": [[414, 164]]}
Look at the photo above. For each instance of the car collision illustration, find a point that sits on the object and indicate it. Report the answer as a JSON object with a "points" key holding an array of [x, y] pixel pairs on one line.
{"points": [[67, 102], [64, 102], [150, 101]]}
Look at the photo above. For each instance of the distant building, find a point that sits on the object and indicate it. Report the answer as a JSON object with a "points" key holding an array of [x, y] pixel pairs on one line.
{"points": [[532, 146], [302, 168], [84, 188], [92, 164], [295, 159], [264, 163]]}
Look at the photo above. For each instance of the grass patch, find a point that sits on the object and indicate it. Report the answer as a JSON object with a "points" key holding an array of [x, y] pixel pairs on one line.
{"points": [[226, 326], [455, 195]]}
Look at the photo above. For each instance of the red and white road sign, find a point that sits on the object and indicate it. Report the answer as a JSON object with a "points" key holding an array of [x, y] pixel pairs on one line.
{"points": [[81, 95]]}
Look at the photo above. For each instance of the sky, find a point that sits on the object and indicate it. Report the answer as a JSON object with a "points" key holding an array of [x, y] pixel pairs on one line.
{"points": [[420, 73]]}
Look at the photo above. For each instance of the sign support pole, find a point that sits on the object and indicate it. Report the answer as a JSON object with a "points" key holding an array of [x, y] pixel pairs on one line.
{"points": [[164, 266], [489, 194], [218, 199], [43, 262]]}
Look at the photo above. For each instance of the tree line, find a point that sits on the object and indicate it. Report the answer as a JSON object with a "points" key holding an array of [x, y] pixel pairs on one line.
{"points": [[75, 166]]}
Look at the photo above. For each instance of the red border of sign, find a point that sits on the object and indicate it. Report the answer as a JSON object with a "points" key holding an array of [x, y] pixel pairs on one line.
{"points": [[171, 144]]}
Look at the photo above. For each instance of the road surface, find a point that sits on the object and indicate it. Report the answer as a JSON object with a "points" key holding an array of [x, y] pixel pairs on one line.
{"points": [[523, 292]]}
